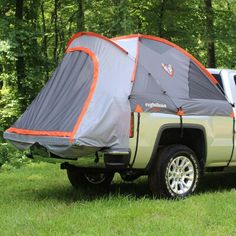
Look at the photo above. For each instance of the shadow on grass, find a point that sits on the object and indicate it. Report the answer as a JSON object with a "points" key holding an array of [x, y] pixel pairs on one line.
{"points": [[67, 194], [211, 182], [218, 181]]}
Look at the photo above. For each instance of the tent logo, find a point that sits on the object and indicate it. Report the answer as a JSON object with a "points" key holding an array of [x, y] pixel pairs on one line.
{"points": [[156, 104], [168, 69]]}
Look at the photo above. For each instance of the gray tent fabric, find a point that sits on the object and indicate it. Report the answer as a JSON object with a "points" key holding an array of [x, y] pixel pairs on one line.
{"points": [[197, 81], [87, 103], [59, 104], [184, 87]]}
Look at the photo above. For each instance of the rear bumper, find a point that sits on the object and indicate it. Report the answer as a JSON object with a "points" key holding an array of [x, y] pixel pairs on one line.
{"points": [[107, 158]]}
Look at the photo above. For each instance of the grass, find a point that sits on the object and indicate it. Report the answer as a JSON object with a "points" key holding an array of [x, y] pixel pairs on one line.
{"points": [[38, 200]]}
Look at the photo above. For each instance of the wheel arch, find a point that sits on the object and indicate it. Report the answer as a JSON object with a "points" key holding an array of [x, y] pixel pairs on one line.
{"points": [[170, 134]]}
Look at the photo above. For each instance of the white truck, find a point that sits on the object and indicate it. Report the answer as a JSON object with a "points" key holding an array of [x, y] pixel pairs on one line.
{"points": [[173, 156]]}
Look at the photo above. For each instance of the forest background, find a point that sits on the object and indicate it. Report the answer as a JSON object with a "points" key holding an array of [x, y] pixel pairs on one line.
{"points": [[37, 199], [34, 33]]}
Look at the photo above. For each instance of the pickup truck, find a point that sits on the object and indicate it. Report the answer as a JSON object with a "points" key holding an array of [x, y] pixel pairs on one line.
{"points": [[173, 156]]}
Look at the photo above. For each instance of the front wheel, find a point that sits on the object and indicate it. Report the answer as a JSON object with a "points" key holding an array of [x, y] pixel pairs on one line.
{"points": [[176, 172], [80, 179]]}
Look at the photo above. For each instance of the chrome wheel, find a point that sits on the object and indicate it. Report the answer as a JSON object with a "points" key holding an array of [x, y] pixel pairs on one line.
{"points": [[176, 172], [180, 174]]}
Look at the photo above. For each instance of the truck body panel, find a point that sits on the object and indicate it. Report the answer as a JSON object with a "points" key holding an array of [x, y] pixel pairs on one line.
{"points": [[218, 137]]}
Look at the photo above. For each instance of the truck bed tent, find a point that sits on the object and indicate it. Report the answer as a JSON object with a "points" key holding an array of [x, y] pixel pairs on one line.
{"points": [[86, 105]]}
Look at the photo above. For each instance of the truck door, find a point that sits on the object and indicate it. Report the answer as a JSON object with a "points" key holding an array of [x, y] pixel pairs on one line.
{"points": [[229, 84]]}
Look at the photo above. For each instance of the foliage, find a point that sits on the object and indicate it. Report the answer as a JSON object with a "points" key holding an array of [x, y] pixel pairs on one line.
{"points": [[9, 108], [11, 158]]}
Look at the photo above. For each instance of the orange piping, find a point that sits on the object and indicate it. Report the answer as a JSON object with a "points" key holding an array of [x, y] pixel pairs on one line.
{"points": [[79, 34], [126, 36], [38, 132], [204, 70], [92, 88]]}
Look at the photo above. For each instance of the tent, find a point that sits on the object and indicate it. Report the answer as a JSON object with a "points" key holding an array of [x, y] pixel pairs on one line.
{"points": [[87, 103]]}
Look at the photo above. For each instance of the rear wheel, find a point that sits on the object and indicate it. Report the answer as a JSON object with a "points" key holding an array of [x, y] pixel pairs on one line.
{"points": [[80, 179], [176, 172]]}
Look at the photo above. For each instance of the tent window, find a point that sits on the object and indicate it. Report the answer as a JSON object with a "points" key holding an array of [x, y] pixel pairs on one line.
{"points": [[200, 86]]}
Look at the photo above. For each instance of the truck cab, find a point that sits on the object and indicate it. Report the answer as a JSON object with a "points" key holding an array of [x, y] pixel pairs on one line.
{"points": [[227, 82]]}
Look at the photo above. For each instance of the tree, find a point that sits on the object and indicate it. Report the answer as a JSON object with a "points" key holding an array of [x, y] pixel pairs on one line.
{"points": [[80, 16], [20, 61], [211, 59]]}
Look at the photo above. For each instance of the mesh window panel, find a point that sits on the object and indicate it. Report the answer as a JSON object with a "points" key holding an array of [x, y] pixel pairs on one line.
{"points": [[200, 86]]}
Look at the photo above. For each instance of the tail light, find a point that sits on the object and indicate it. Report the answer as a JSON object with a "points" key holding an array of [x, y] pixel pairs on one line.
{"points": [[131, 131]]}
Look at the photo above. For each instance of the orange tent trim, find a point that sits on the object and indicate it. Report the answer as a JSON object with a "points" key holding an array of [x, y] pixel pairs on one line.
{"points": [[180, 112], [138, 108], [92, 88], [204, 70], [38, 132], [77, 35]]}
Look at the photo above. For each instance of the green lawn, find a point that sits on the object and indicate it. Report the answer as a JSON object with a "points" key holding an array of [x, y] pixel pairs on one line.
{"points": [[38, 200]]}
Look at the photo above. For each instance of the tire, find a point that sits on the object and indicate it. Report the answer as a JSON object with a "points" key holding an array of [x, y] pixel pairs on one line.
{"points": [[85, 180], [175, 173]]}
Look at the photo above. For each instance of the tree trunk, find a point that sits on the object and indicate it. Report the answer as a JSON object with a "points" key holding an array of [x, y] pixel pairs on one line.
{"points": [[211, 59], [55, 50], [161, 16], [45, 39], [20, 61], [80, 16]]}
